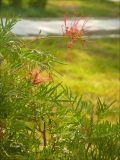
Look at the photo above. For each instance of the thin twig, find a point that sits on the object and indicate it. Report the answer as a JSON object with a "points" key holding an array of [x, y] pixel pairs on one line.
{"points": [[58, 36], [44, 134]]}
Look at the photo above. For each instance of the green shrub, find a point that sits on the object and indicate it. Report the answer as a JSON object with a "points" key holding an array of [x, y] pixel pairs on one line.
{"points": [[16, 3], [0, 3], [38, 3], [46, 121]]}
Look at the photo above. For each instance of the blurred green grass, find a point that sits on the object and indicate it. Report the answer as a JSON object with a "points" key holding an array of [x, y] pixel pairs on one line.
{"points": [[91, 71], [54, 8]]}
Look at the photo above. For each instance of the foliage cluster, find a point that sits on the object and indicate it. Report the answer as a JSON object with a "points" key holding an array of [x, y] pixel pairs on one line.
{"points": [[46, 121], [19, 3]]}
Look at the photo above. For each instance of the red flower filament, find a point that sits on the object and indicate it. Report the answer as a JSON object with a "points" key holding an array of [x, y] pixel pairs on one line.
{"points": [[72, 32]]}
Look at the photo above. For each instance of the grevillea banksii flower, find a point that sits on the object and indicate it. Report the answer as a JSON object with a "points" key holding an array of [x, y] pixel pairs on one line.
{"points": [[37, 78], [72, 32]]}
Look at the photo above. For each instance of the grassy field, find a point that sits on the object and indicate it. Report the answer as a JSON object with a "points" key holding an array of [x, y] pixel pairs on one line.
{"points": [[54, 8], [91, 71]]}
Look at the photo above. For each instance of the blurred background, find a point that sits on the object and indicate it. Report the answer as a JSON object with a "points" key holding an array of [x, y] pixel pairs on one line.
{"points": [[91, 70], [57, 8]]}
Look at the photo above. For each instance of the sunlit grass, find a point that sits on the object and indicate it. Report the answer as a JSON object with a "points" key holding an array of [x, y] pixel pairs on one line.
{"points": [[91, 71]]}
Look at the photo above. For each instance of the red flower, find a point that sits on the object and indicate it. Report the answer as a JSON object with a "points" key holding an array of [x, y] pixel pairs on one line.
{"points": [[72, 32], [37, 78]]}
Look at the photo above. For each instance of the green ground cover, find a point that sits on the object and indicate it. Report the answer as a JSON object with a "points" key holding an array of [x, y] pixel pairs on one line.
{"points": [[91, 71], [95, 8]]}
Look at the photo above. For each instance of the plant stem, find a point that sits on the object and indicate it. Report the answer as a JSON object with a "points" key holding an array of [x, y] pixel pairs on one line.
{"points": [[44, 134]]}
